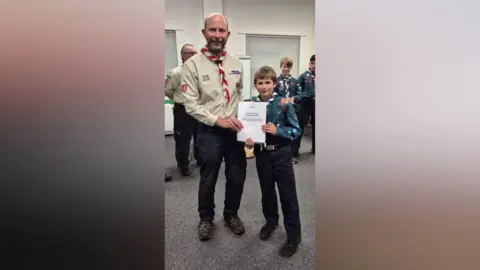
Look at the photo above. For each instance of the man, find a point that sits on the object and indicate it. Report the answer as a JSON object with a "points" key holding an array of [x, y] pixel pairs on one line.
{"points": [[184, 125], [307, 103], [212, 87], [287, 86]]}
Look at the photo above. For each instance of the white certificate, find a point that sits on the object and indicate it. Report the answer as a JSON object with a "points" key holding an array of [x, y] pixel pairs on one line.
{"points": [[252, 115]]}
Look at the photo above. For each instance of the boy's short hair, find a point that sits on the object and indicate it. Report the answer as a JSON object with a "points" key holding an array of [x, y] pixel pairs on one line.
{"points": [[312, 58], [265, 73], [287, 61]]}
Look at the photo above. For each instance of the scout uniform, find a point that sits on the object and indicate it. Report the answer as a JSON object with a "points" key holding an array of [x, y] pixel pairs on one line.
{"points": [[212, 88], [274, 165], [289, 87], [306, 111], [184, 125]]}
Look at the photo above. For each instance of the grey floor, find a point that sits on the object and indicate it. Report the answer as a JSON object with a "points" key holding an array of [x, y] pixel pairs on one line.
{"points": [[184, 251]]}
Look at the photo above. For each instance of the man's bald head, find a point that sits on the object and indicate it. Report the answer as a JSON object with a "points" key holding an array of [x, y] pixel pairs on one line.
{"points": [[215, 16], [187, 51], [216, 32]]}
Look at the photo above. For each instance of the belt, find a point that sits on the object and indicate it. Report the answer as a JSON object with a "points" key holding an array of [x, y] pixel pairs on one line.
{"points": [[271, 147]]}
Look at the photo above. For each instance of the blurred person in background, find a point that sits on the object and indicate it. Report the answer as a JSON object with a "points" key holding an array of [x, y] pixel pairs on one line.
{"points": [[184, 125], [287, 86], [306, 112]]}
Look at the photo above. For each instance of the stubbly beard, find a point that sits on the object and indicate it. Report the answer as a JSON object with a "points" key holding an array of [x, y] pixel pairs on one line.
{"points": [[216, 47]]}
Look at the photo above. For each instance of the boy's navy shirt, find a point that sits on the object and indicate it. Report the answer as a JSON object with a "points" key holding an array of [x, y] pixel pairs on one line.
{"points": [[307, 83], [288, 87], [281, 112]]}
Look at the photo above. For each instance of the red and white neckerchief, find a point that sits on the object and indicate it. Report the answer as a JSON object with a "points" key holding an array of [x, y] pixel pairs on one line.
{"points": [[219, 62]]}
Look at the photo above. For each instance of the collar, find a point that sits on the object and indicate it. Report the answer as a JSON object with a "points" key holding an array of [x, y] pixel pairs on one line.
{"points": [[270, 99]]}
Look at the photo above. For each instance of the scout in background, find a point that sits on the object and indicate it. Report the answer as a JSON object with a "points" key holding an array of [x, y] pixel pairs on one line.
{"points": [[287, 86], [306, 113], [274, 161], [184, 125]]}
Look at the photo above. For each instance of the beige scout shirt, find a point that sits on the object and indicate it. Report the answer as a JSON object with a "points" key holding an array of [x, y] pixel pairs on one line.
{"points": [[203, 91], [173, 81]]}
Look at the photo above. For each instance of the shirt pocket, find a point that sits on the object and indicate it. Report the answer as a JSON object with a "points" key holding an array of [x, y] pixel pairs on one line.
{"points": [[209, 89]]}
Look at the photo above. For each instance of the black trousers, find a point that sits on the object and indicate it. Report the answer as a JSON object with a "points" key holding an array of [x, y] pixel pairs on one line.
{"points": [[214, 145], [184, 126], [306, 114], [276, 167]]}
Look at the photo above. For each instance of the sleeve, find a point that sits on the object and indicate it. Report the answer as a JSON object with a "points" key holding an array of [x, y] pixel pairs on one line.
{"points": [[240, 84], [297, 92], [170, 84], [291, 130], [192, 97]]}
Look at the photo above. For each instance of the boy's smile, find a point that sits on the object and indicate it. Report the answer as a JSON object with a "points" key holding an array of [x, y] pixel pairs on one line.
{"points": [[285, 70], [265, 88]]}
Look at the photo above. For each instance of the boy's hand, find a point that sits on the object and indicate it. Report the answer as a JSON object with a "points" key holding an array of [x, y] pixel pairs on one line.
{"points": [[249, 143], [292, 99], [269, 128]]}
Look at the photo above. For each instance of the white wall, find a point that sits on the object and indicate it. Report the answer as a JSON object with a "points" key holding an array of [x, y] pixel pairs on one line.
{"points": [[272, 17]]}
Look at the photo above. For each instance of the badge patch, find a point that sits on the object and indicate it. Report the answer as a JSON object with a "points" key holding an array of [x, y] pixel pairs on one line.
{"points": [[283, 101], [205, 78], [184, 88], [235, 72]]}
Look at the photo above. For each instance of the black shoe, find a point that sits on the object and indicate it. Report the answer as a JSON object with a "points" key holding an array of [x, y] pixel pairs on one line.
{"points": [[235, 224], [185, 171], [312, 150], [168, 178], [267, 230], [296, 155], [205, 230], [294, 160], [289, 248]]}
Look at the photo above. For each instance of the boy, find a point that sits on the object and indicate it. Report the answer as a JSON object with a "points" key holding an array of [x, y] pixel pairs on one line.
{"points": [[306, 112], [274, 161], [288, 86]]}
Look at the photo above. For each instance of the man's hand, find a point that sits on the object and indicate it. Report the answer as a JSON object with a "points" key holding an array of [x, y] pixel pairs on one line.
{"points": [[249, 143], [230, 122], [269, 128]]}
